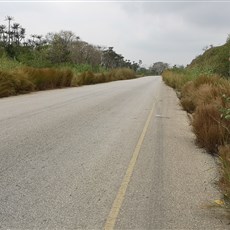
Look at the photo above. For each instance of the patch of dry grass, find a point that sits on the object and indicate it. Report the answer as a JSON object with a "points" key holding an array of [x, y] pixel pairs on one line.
{"points": [[48, 78], [175, 80], [204, 90], [224, 182], [208, 99], [27, 79], [210, 129], [14, 83], [88, 78]]}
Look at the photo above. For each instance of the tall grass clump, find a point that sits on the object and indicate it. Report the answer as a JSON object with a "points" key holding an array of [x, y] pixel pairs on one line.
{"points": [[210, 129], [203, 89], [14, 83], [176, 80], [224, 182], [203, 98], [48, 78], [88, 77], [27, 79], [121, 74], [8, 64], [207, 98]]}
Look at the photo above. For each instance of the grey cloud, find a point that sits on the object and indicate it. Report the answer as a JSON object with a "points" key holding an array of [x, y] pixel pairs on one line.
{"points": [[173, 32]]}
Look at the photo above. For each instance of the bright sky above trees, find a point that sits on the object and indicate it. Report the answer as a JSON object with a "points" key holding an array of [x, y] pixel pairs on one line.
{"points": [[171, 31]]}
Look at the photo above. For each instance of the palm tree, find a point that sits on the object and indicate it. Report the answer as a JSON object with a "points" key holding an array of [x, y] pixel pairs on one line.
{"points": [[39, 42], [2, 32], [15, 28], [22, 33], [9, 19]]}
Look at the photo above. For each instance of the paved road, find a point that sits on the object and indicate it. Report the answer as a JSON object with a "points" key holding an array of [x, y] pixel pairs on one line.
{"points": [[64, 154]]}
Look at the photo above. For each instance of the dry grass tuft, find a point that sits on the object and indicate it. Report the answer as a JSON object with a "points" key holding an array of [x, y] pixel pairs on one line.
{"points": [[48, 78], [224, 182], [122, 74], [204, 90], [188, 93], [88, 78], [175, 80], [210, 129], [208, 99], [27, 79], [13, 84], [205, 79]]}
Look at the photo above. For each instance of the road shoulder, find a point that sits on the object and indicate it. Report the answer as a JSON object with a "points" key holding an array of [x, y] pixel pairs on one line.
{"points": [[174, 180]]}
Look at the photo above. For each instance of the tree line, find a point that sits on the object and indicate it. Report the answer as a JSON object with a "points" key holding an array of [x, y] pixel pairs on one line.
{"points": [[57, 48]]}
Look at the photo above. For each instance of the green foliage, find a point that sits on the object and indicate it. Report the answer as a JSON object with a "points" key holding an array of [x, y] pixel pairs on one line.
{"points": [[81, 68], [62, 60], [34, 58], [225, 111], [8, 64], [215, 60]]}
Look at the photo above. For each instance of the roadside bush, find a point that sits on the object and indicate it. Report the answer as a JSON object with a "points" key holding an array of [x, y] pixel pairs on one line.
{"points": [[13, 84], [176, 80], [208, 99], [204, 90], [121, 74], [88, 78], [210, 129], [188, 93], [8, 64], [27, 79], [224, 182], [48, 78]]}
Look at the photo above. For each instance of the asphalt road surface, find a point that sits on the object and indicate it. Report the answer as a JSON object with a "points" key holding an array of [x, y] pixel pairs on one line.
{"points": [[116, 155]]}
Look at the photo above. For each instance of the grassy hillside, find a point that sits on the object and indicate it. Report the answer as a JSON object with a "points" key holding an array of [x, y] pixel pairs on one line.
{"points": [[215, 60], [204, 91]]}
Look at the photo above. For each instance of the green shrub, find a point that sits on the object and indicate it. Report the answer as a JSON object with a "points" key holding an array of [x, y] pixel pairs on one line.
{"points": [[8, 64]]}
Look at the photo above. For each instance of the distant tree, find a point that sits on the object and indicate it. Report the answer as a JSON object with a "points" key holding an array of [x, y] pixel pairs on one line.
{"points": [[58, 50], [15, 33], [205, 48], [2, 33], [9, 19], [228, 39], [110, 59], [158, 67]]}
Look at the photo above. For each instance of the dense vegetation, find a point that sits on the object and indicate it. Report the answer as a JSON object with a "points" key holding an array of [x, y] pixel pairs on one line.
{"points": [[204, 91], [214, 59], [56, 60]]}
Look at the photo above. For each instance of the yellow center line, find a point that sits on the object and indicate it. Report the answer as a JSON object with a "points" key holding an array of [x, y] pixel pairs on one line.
{"points": [[111, 219]]}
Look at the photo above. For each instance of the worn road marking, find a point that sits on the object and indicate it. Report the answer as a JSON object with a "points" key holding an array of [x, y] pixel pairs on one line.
{"points": [[111, 219]]}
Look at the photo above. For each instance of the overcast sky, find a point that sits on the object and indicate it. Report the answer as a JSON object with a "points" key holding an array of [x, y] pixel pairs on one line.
{"points": [[170, 31]]}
